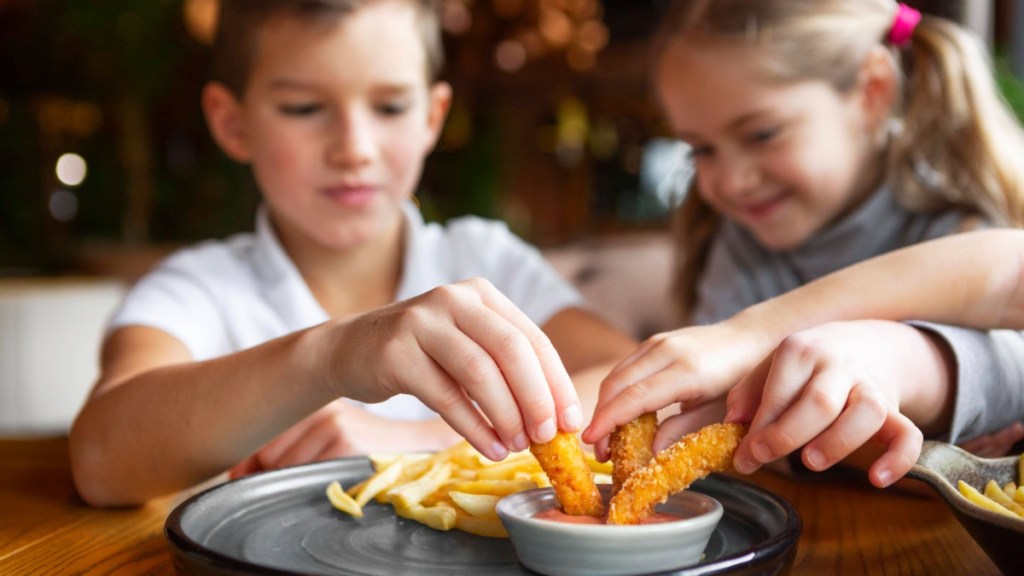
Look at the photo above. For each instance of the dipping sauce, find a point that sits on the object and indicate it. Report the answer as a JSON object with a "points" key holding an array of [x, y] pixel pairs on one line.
{"points": [[556, 515]]}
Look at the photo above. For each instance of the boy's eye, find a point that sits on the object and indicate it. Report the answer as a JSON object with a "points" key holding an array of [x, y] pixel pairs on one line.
{"points": [[393, 108], [300, 109]]}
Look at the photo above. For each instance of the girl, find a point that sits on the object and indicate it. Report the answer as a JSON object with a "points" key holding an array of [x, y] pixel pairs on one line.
{"points": [[824, 132]]}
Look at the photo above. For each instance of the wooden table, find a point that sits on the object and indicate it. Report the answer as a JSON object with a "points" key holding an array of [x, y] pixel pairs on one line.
{"points": [[849, 527]]}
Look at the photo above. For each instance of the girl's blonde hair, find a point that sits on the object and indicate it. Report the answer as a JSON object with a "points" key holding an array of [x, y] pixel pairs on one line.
{"points": [[957, 145]]}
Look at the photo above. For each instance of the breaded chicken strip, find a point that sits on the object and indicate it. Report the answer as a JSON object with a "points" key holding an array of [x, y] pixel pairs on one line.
{"points": [[631, 447], [672, 470], [562, 459]]}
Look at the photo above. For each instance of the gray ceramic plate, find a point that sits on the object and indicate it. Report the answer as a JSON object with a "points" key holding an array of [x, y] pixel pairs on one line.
{"points": [[281, 523]]}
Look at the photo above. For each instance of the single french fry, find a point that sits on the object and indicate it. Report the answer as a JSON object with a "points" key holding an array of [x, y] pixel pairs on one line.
{"points": [[1010, 488], [342, 501], [481, 526], [439, 517], [979, 499], [381, 481], [996, 493], [380, 460], [476, 504], [1018, 495], [492, 487], [509, 467], [410, 494]]}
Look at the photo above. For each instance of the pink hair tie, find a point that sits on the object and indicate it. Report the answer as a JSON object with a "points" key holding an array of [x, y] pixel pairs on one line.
{"points": [[903, 25]]}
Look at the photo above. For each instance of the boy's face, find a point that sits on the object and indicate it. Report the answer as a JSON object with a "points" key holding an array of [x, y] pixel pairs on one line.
{"points": [[782, 160], [336, 122]]}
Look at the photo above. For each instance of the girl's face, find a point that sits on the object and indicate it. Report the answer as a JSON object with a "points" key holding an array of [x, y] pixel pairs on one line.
{"points": [[782, 160], [337, 121]]}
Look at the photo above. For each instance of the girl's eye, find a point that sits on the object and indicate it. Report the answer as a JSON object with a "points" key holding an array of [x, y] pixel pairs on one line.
{"points": [[698, 151], [766, 135], [300, 109]]}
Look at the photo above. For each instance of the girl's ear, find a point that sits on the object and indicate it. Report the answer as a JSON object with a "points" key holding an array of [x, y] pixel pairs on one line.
{"points": [[876, 84], [225, 120], [440, 97]]}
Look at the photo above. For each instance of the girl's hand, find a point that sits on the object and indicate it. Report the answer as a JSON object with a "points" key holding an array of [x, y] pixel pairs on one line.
{"points": [[468, 353], [996, 444], [344, 429], [691, 366], [831, 389]]}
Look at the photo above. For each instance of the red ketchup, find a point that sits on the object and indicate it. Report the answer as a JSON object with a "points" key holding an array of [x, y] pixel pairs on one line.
{"points": [[556, 515]]}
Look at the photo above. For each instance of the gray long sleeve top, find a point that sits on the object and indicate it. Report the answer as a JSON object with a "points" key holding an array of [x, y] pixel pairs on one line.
{"points": [[741, 272]]}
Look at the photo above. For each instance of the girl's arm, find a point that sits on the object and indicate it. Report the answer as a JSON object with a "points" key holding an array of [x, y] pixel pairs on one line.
{"points": [[971, 279]]}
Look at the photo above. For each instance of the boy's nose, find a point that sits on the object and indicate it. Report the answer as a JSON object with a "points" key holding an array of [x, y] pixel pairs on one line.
{"points": [[351, 143]]}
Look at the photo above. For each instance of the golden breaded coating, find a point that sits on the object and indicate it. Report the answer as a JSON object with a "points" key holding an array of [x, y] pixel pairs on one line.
{"points": [[631, 447], [563, 461], [672, 470]]}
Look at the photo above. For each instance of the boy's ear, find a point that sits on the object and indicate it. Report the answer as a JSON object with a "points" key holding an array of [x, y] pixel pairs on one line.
{"points": [[225, 120], [440, 96], [877, 86]]}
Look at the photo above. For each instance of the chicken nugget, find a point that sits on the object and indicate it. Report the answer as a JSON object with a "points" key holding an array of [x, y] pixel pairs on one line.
{"points": [[672, 470], [563, 461], [630, 447]]}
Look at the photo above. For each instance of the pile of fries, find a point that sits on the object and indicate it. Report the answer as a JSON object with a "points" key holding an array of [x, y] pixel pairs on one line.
{"points": [[456, 488], [1007, 499]]}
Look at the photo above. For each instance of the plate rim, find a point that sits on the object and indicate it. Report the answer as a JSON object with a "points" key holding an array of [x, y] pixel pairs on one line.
{"points": [[184, 547]]}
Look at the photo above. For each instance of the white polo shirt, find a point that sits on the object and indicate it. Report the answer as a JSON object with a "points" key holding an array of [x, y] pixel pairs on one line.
{"points": [[222, 296]]}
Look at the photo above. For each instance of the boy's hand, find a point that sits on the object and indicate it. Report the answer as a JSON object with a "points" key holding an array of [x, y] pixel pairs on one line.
{"points": [[691, 366], [827, 391], [343, 429], [467, 352]]}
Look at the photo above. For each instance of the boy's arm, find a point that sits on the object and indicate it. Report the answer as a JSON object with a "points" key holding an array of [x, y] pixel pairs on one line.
{"points": [[159, 422]]}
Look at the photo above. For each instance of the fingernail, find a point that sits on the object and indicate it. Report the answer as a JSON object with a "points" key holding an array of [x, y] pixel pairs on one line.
{"points": [[761, 452], [745, 466], [498, 451], [546, 431], [884, 477], [573, 418], [815, 459], [520, 443]]}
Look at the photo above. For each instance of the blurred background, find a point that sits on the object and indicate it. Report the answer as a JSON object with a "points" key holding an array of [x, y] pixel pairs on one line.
{"points": [[105, 159], [106, 164]]}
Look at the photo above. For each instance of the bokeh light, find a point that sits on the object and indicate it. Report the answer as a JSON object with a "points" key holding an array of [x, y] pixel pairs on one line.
{"points": [[71, 169]]}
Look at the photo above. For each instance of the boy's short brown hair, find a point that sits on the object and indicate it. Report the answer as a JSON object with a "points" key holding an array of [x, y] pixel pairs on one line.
{"points": [[240, 21]]}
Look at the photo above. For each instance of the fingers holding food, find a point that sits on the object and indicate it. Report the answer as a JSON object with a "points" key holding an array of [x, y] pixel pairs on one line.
{"points": [[631, 447], [693, 457], [565, 464]]}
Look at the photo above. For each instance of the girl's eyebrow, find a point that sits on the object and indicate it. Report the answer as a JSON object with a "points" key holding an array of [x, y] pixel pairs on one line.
{"points": [[732, 125]]}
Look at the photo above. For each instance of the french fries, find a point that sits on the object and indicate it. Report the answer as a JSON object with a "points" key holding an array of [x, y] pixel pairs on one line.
{"points": [[456, 488], [1007, 499]]}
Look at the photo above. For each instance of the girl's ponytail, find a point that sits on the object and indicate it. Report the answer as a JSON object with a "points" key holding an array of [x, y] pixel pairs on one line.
{"points": [[958, 144]]}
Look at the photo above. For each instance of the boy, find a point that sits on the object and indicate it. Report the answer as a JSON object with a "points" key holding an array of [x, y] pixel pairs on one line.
{"points": [[342, 294]]}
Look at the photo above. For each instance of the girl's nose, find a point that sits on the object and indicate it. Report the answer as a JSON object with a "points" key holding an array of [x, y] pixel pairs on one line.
{"points": [[352, 142], [735, 176]]}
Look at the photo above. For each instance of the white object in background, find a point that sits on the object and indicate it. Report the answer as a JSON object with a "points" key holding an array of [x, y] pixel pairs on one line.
{"points": [[50, 333]]}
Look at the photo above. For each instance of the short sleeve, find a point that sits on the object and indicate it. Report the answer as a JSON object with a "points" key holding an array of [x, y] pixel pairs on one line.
{"points": [[489, 249], [174, 299]]}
